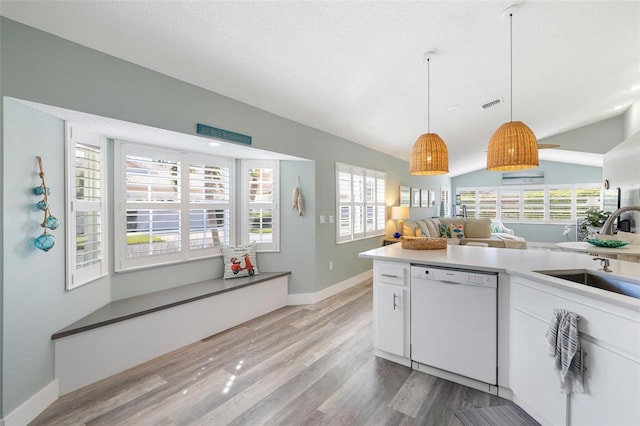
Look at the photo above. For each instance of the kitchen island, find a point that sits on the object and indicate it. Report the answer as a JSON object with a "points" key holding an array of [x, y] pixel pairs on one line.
{"points": [[609, 328]]}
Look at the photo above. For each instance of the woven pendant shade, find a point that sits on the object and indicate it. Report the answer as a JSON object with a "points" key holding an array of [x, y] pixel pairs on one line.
{"points": [[512, 147], [429, 156]]}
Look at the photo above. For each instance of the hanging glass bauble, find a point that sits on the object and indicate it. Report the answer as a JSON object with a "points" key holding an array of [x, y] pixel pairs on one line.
{"points": [[45, 242], [39, 190], [52, 222], [42, 205]]}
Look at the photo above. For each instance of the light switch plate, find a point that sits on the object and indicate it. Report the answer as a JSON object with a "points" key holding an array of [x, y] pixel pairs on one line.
{"points": [[322, 218]]}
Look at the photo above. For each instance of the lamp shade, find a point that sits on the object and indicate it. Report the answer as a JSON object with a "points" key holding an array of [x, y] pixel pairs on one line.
{"points": [[399, 212], [512, 147], [429, 156]]}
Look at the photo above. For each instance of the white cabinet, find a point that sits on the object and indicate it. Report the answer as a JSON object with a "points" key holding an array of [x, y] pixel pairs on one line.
{"points": [[610, 339], [612, 389], [390, 315], [533, 380], [391, 311]]}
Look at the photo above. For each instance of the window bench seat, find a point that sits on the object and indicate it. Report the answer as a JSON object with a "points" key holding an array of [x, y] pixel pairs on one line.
{"points": [[130, 331]]}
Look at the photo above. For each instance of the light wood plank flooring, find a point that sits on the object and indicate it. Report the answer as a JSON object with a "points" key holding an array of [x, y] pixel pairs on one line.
{"points": [[299, 365]]}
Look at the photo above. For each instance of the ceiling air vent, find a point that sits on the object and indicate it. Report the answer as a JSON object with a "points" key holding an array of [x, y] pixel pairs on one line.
{"points": [[492, 103]]}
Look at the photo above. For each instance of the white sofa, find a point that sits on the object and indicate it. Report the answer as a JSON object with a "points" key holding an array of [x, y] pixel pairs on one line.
{"points": [[489, 232]]}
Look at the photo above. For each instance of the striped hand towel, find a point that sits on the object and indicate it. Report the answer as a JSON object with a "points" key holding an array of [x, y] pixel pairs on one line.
{"points": [[563, 342]]}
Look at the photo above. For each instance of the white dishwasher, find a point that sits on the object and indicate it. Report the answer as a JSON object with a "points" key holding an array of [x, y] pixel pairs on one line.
{"points": [[454, 321]]}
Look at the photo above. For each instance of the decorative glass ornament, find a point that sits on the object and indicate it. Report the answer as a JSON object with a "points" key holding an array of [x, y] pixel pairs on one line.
{"points": [[45, 242], [52, 222], [42, 205], [39, 190]]}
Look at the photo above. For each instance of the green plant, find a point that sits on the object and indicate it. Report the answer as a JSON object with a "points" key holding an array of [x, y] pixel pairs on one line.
{"points": [[594, 219]]}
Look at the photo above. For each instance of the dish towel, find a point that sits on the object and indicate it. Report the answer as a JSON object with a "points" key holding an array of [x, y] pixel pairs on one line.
{"points": [[563, 342]]}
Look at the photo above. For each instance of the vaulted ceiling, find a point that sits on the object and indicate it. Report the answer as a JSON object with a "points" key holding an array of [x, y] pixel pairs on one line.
{"points": [[356, 70]]}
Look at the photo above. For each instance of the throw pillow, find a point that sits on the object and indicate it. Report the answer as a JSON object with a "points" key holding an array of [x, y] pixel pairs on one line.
{"points": [[424, 231], [444, 231], [496, 229], [239, 261], [477, 228], [456, 231]]}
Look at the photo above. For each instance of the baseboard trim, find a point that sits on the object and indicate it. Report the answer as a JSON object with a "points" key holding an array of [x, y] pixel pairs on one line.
{"points": [[31, 408], [310, 298]]}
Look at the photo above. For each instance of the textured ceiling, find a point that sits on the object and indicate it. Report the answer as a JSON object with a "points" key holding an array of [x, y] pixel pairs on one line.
{"points": [[355, 69]]}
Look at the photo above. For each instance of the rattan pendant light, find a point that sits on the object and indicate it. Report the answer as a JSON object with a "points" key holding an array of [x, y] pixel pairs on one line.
{"points": [[429, 155], [513, 146]]}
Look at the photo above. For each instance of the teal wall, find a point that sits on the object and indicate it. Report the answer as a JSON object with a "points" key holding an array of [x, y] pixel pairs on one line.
{"points": [[40, 67], [553, 173], [34, 296]]}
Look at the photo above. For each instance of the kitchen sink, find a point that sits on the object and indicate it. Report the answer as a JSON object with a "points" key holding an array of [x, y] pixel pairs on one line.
{"points": [[588, 278]]}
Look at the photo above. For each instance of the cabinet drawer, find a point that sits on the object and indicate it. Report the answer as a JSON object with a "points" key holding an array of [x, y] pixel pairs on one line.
{"points": [[389, 273], [599, 320]]}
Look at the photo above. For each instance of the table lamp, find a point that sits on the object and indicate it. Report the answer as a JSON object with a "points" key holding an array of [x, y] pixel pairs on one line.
{"points": [[399, 213]]}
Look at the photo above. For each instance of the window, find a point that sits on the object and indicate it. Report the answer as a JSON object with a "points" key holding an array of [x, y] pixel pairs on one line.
{"points": [[360, 204], [260, 213], [445, 200], [487, 205], [468, 199], [509, 205], [561, 202], [172, 206], [87, 204], [531, 204]]}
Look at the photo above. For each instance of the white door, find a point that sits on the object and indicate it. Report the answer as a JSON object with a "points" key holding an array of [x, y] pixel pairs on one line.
{"points": [[389, 319], [534, 381], [612, 389]]}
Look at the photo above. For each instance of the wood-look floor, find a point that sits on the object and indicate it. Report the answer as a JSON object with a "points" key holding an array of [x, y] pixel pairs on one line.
{"points": [[299, 365]]}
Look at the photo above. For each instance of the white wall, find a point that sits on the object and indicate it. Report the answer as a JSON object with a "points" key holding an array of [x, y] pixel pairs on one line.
{"points": [[622, 165]]}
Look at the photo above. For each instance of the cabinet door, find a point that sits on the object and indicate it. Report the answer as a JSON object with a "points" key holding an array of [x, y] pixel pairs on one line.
{"points": [[612, 389], [534, 381], [389, 320]]}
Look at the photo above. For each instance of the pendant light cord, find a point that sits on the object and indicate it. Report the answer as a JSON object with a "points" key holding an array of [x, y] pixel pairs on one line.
{"points": [[511, 63], [428, 96]]}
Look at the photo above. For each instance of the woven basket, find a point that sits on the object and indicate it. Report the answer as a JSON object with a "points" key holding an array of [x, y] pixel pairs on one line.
{"points": [[424, 243]]}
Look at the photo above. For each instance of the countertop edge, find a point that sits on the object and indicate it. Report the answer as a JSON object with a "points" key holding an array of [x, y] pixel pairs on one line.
{"points": [[573, 261]]}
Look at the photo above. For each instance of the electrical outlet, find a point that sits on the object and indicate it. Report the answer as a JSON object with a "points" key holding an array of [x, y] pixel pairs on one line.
{"points": [[331, 266], [330, 218]]}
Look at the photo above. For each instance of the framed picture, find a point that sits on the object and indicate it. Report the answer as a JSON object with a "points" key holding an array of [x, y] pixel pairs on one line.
{"points": [[432, 198], [415, 197], [424, 198], [405, 196]]}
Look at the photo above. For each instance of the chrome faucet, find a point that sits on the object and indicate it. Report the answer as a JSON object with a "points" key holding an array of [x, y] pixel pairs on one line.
{"points": [[604, 263], [607, 228]]}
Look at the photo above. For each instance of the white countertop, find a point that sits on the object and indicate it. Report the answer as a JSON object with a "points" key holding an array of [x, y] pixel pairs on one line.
{"points": [[581, 246], [519, 262]]}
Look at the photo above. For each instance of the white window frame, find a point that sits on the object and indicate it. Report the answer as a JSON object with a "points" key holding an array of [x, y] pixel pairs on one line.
{"points": [[445, 197], [121, 151], [77, 276], [378, 206], [545, 189], [273, 205]]}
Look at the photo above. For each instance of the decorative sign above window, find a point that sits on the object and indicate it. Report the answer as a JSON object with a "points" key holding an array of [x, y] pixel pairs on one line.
{"points": [[523, 178], [227, 135]]}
